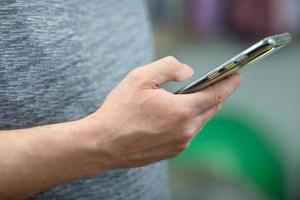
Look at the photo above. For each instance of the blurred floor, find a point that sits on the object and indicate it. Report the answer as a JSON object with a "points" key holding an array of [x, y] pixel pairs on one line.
{"points": [[191, 188]]}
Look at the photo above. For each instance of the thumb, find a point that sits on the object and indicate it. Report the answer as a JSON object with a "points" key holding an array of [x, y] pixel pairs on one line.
{"points": [[164, 70]]}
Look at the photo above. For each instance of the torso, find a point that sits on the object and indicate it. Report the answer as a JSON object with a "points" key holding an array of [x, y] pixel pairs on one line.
{"points": [[58, 61]]}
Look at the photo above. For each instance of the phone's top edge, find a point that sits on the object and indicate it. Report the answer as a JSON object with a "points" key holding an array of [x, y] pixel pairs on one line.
{"points": [[276, 41], [270, 42], [279, 40], [267, 43]]}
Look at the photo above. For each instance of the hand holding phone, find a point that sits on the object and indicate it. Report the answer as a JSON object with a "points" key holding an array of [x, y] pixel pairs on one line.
{"points": [[254, 53]]}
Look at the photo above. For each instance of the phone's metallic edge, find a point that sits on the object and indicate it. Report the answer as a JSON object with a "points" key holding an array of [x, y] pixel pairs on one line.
{"points": [[252, 54]]}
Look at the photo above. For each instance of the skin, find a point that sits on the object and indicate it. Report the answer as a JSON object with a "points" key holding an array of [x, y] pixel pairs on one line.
{"points": [[139, 123]]}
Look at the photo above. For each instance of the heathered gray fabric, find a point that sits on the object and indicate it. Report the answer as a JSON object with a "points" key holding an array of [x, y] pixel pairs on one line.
{"points": [[58, 60]]}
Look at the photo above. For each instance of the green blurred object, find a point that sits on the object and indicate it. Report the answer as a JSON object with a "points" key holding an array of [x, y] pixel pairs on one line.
{"points": [[233, 148]]}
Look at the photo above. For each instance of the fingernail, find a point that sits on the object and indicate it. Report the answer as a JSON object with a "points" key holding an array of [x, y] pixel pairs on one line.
{"points": [[188, 70]]}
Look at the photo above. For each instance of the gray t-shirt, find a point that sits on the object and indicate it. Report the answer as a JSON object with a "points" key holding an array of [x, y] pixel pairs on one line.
{"points": [[58, 61]]}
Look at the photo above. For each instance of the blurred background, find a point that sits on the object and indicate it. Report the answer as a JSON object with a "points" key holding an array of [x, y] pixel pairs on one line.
{"points": [[251, 150]]}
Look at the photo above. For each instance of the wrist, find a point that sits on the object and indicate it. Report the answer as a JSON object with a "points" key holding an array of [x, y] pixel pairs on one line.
{"points": [[93, 141]]}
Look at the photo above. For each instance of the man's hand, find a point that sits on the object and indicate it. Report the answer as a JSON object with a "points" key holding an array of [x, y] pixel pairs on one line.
{"points": [[141, 123]]}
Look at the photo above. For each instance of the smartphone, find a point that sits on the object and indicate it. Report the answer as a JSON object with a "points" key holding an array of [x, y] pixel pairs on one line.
{"points": [[254, 53]]}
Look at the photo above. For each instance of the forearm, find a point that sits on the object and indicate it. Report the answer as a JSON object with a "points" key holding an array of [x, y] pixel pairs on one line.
{"points": [[37, 158]]}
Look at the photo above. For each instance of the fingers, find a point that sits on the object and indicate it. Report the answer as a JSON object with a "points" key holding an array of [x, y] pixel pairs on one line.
{"points": [[213, 95], [200, 120], [162, 71], [179, 142]]}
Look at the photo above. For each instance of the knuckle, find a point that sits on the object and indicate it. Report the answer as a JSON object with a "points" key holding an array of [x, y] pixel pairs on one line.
{"points": [[186, 146], [218, 96], [183, 114], [135, 75], [181, 148], [215, 110], [172, 60], [173, 64], [186, 136]]}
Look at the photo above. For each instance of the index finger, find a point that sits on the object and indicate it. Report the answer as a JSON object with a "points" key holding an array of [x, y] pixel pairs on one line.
{"points": [[213, 95]]}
